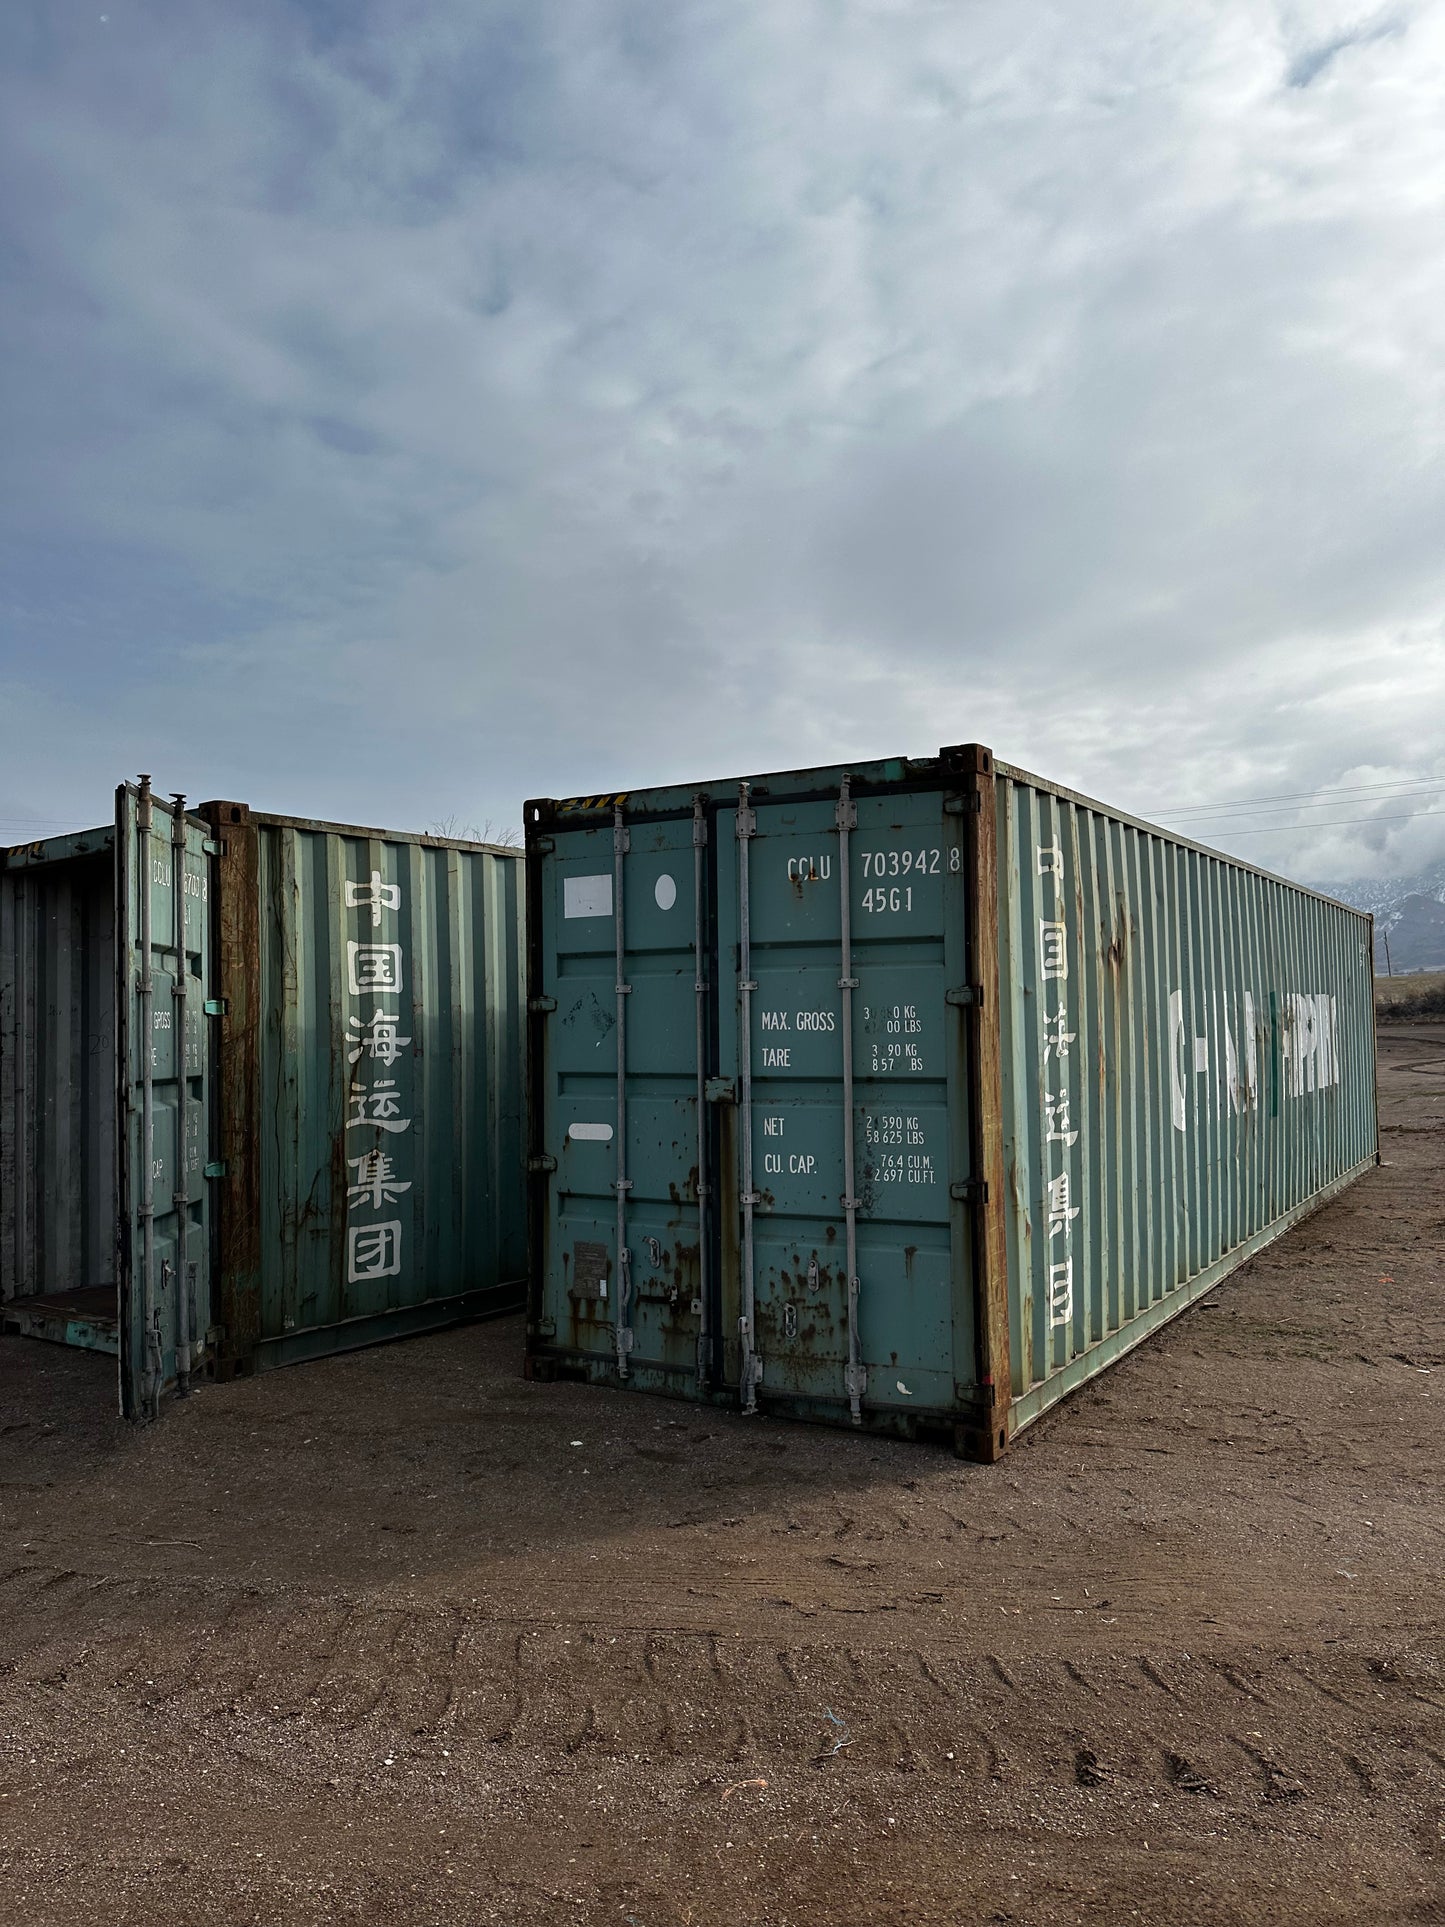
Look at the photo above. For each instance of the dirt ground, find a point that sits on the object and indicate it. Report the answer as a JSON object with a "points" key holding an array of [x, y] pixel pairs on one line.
{"points": [[402, 1639]]}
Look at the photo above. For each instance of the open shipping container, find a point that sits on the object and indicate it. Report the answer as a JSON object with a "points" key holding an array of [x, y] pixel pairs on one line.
{"points": [[913, 1094], [260, 1088]]}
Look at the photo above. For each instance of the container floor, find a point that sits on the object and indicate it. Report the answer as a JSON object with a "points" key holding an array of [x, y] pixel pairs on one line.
{"points": [[401, 1638], [87, 1317]]}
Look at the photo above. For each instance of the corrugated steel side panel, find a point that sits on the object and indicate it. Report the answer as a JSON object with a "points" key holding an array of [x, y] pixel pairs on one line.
{"points": [[57, 1067], [384, 1045], [1188, 1056]]}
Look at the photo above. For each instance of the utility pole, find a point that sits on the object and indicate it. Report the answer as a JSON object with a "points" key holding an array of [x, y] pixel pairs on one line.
{"points": [[1389, 967]]}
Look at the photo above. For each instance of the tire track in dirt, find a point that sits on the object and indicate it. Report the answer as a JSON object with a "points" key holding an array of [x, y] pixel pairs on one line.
{"points": [[407, 1673]]}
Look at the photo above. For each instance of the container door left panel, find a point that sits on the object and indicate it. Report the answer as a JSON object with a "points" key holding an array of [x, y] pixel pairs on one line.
{"points": [[164, 1011], [624, 1266]]}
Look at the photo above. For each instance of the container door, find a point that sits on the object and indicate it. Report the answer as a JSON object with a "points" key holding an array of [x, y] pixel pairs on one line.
{"points": [[625, 1275], [846, 921], [164, 1014]]}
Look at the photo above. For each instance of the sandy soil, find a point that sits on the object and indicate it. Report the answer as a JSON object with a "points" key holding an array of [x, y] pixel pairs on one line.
{"points": [[403, 1639]]}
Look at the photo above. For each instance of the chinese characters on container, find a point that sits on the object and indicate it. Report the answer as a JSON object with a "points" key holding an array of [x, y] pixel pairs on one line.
{"points": [[374, 971], [1059, 1132]]}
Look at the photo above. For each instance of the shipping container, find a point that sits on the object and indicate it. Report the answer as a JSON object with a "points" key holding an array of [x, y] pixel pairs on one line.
{"points": [[261, 1090], [912, 1094]]}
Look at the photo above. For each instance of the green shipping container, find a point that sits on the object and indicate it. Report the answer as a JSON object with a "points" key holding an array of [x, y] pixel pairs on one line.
{"points": [[911, 1095], [334, 1153]]}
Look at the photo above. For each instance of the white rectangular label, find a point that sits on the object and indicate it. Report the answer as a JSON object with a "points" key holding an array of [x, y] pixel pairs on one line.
{"points": [[587, 896]]}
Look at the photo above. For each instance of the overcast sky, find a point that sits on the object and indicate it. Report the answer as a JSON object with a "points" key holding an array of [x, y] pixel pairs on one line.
{"points": [[412, 407]]}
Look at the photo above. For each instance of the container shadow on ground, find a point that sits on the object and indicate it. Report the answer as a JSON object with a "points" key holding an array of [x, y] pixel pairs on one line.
{"points": [[419, 1448]]}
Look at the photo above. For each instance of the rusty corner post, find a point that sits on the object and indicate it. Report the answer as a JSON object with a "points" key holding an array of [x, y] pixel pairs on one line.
{"points": [[236, 1291], [985, 1069], [1375, 1035], [538, 815]]}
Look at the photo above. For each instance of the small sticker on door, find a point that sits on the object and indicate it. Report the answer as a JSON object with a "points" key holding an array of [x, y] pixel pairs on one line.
{"points": [[587, 896], [590, 1261]]}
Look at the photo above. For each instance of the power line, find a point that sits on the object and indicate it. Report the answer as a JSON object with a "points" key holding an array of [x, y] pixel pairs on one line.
{"points": [[1336, 823], [1413, 787], [1225, 817]]}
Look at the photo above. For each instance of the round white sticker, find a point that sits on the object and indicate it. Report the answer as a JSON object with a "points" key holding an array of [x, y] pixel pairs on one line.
{"points": [[666, 892]]}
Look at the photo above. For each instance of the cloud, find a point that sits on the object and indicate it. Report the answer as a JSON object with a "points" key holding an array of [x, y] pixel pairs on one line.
{"points": [[1314, 59], [413, 410]]}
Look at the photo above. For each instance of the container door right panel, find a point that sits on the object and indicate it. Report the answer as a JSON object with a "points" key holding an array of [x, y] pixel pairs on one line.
{"points": [[905, 905]]}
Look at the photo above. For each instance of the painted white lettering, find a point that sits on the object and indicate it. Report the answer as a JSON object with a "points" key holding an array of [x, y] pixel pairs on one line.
{"points": [[902, 863], [1176, 1058], [772, 1127], [1061, 1293], [374, 967], [1061, 1212], [374, 896], [1056, 1039], [378, 1106], [1053, 958], [1056, 1117], [1237, 1097], [378, 1039], [373, 1251], [376, 1181]]}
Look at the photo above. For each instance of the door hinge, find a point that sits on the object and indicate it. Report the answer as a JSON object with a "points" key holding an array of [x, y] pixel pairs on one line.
{"points": [[212, 848], [720, 1090], [969, 804], [543, 846], [970, 1191], [542, 1006], [217, 1007], [541, 1161], [965, 994], [215, 1169]]}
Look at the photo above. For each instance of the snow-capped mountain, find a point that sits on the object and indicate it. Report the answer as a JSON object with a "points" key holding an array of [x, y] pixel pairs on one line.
{"points": [[1409, 916]]}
